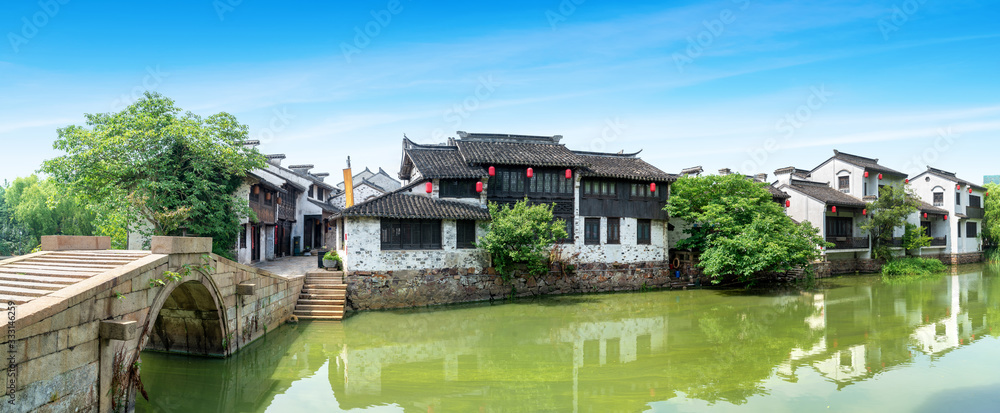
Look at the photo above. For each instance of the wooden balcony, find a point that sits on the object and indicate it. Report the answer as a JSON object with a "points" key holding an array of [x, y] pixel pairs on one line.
{"points": [[939, 242], [848, 243], [975, 213]]}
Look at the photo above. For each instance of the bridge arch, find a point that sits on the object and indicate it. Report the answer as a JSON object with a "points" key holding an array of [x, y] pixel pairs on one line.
{"points": [[187, 317]]}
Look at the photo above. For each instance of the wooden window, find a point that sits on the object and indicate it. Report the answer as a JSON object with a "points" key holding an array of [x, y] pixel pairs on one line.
{"points": [[599, 189], [642, 191], [975, 201], [958, 198], [592, 231], [839, 227], [844, 182], [255, 197], [614, 230], [939, 199], [466, 233], [971, 230], [411, 234], [569, 229], [644, 231], [458, 188]]}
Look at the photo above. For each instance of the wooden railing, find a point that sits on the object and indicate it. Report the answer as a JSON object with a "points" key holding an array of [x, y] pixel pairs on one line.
{"points": [[975, 213], [848, 243], [939, 242]]}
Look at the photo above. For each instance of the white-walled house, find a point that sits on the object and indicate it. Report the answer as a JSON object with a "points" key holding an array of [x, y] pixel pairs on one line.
{"points": [[611, 210], [962, 204]]}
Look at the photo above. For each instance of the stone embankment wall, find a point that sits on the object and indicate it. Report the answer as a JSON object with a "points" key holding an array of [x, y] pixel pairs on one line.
{"points": [[65, 342], [401, 289], [831, 268]]}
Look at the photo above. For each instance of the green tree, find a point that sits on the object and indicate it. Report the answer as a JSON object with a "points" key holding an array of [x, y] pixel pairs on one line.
{"points": [[44, 207], [991, 222], [150, 160], [915, 237], [521, 234], [740, 230], [894, 205], [14, 237]]}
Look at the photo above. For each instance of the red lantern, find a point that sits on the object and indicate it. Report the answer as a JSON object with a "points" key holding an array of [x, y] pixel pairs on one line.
{"points": [[652, 187], [429, 186], [479, 186], [834, 209], [531, 172], [945, 217], [788, 203], [569, 173], [879, 177], [866, 174], [959, 186], [970, 189], [493, 171], [864, 212], [925, 215], [907, 181]]}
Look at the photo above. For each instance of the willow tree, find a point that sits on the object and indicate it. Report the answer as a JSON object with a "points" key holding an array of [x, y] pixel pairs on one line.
{"points": [[151, 159], [740, 230], [44, 207]]}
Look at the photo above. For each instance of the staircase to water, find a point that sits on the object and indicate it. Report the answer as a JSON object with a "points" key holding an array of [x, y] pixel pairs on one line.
{"points": [[323, 296]]}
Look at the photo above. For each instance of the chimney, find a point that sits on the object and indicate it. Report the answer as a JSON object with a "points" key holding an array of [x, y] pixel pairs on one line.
{"points": [[725, 171]]}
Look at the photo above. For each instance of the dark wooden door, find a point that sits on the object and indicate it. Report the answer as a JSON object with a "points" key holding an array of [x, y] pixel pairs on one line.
{"points": [[255, 243]]}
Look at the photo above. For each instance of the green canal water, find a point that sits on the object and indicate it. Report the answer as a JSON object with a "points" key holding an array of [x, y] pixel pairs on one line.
{"points": [[852, 344]]}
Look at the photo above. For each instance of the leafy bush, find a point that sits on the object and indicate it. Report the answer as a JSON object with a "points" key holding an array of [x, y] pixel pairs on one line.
{"points": [[521, 234], [331, 255], [912, 268]]}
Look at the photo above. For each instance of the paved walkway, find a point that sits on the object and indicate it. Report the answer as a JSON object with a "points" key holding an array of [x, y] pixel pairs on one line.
{"points": [[289, 266]]}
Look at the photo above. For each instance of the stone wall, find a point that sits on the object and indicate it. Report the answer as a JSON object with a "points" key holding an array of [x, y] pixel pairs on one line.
{"points": [[401, 289], [958, 259], [824, 269], [65, 363], [627, 250]]}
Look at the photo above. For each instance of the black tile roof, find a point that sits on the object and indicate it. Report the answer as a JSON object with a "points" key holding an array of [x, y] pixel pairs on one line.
{"points": [[823, 193], [404, 204], [527, 154], [623, 166], [869, 164], [952, 177], [325, 206], [931, 209], [442, 162], [777, 193]]}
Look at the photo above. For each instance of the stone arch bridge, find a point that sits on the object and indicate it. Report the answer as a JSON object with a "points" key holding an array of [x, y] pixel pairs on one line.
{"points": [[79, 314]]}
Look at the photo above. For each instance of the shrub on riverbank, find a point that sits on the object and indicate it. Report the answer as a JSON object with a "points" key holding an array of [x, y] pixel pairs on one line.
{"points": [[912, 268]]}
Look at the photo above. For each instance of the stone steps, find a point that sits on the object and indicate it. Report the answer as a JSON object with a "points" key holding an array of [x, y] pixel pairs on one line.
{"points": [[323, 296], [24, 280], [32, 285]]}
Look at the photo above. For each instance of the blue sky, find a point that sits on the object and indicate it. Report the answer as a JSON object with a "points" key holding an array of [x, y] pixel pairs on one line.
{"points": [[745, 84]]}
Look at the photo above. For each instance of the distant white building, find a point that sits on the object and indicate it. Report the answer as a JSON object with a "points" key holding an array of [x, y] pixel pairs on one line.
{"points": [[962, 205]]}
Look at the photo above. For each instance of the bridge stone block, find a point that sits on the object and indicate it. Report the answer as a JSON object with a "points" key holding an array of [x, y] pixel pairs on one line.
{"points": [[74, 243], [245, 289], [119, 330], [181, 245]]}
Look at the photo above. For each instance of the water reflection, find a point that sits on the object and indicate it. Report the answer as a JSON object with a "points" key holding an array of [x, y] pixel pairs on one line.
{"points": [[596, 353]]}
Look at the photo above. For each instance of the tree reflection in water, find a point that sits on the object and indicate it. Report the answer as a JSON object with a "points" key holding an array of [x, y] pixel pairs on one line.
{"points": [[591, 353]]}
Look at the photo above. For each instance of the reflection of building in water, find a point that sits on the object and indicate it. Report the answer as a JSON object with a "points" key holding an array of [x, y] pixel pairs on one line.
{"points": [[363, 367], [935, 324]]}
